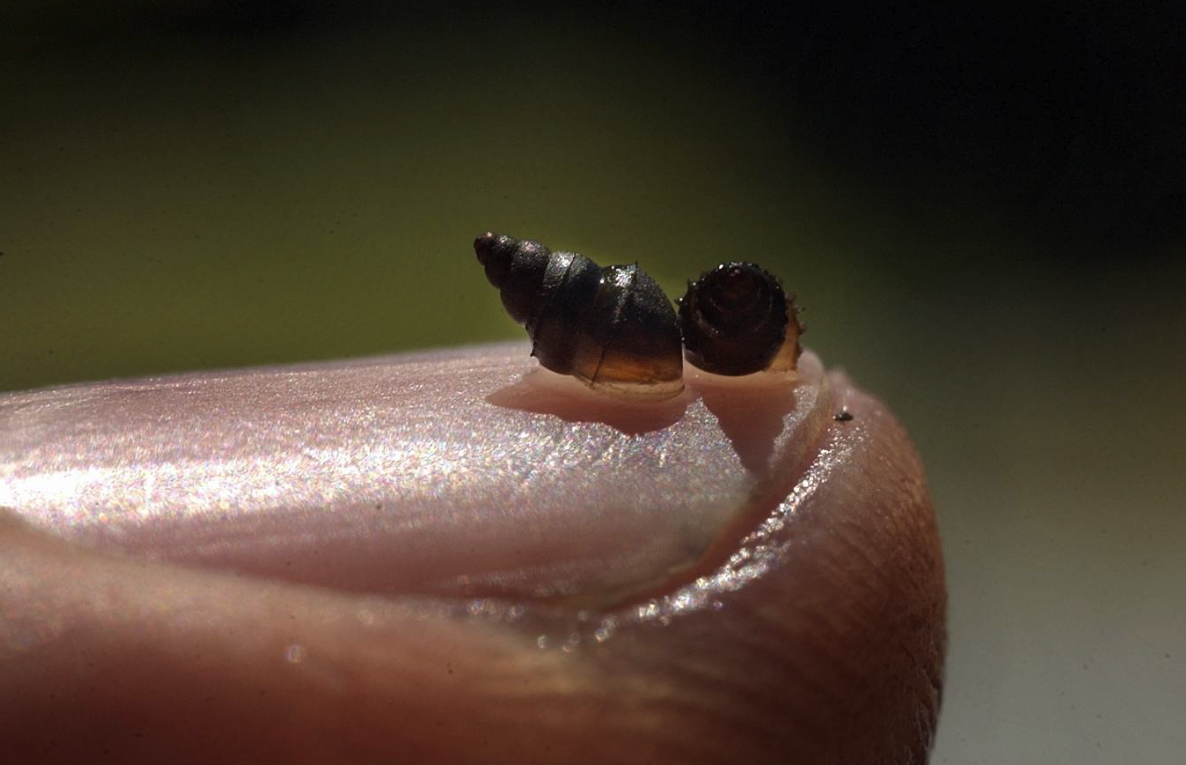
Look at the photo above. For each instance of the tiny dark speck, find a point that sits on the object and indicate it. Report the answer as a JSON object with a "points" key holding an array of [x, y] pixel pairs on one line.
{"points": [[843, 416]]}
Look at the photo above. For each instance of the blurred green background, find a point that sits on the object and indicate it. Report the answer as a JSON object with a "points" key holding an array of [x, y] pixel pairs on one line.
{"points": [[982, 214]]}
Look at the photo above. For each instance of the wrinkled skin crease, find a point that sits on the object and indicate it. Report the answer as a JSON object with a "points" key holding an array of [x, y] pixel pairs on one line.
{"points": [[751, 413], [807, 619]]}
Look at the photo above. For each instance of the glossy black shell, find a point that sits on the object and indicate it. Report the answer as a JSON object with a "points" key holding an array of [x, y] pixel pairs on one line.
{"points": [[736, 320], [611, 327]]}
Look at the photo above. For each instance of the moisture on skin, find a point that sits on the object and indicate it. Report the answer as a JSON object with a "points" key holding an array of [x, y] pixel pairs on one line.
{"points": [[458, 557]]}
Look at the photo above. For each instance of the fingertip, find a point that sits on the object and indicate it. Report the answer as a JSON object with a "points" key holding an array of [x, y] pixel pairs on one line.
{"points": [[810, 624]]}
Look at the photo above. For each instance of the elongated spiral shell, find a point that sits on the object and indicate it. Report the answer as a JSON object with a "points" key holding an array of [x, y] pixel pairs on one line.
{"points": [[736, 320], [612, 328]]}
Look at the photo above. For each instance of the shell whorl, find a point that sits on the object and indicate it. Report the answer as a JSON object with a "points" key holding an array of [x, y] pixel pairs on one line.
{"points": [[736, 320], [611, 327]]}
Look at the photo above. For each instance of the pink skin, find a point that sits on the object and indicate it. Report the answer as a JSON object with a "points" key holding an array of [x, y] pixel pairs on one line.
{"points": [[457, 557]]}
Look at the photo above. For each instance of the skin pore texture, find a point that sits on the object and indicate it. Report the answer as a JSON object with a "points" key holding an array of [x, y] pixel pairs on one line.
{"points": [[457, 557]]}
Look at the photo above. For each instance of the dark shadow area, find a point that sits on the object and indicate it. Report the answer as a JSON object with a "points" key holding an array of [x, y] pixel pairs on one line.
{"points": [[1065, 124], [565, 399], [751, 414]]}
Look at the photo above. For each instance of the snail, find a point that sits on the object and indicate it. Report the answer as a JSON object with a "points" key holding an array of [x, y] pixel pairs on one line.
{"points": [[612, 328], [736, 320]]}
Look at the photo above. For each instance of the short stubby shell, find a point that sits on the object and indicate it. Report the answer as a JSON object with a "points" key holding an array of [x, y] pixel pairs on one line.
{"points": [[736, 320]]}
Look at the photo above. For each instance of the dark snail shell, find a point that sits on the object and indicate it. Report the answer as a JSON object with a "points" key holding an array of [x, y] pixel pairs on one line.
{"points": [[736, 320], [612, 328]]}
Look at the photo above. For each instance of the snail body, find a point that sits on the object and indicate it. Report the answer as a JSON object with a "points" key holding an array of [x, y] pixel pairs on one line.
{"points": [[737, 320], [613, 328]]}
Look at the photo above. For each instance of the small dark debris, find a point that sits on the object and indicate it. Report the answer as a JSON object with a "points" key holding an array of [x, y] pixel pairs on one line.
{"points": [[842, 416]]}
